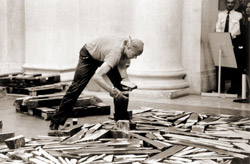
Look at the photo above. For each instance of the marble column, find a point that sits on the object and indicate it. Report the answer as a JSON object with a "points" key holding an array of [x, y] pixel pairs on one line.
{"points": [[158, 71], [51, 36], [12, 35], [3, 34]]}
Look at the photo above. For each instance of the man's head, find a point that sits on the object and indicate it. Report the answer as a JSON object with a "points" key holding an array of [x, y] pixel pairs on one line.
{"points": [[134, 48], [243, 2], [230, 4], [248, 9]]}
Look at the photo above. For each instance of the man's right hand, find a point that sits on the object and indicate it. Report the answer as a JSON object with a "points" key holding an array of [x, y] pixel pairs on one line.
{"points": [[118, 95], [121, 97]]}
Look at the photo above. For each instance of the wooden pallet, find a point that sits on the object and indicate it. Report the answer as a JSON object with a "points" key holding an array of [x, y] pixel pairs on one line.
{"points": [[45, 107], [92, 110], [46, 113], [7, 79], [23, 80], [53, 100], [32, 81], [38, 90]]}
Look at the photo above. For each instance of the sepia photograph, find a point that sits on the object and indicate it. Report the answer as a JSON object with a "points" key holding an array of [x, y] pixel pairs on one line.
{"points": [[124, 82]]}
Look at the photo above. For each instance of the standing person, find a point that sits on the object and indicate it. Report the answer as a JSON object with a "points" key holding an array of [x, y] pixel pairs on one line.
{"points": [[104, 56], [248, 44], [242, 7], [248, 10], [229, 21], [242, 38]]}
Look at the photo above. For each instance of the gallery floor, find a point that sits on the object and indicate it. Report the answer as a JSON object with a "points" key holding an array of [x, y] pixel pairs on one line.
{"points": [[30, 126]]}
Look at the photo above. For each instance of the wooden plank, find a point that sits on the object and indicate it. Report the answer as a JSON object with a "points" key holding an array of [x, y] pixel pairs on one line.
{"points": [[113, 151], [37, 90], [47, 155], [174, 118], [68, 131], [91, 110], [76, 137], [15, 142], [47, 113], [214, 143], [11, 74], [167, 153], [174, 130], [158, 145], [193, 119], [141, 110], [44, 160], [211, 148], [94, 136], [36, 80], [123, 125], [198, 128], [54, 101], [93, 129], [243, 146], [36, 161], [182, 119], [4, 136], [8, 79]]}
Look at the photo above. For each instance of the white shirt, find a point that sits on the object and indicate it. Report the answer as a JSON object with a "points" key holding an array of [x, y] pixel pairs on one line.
{"points": [[234, 22], [107, 49]]}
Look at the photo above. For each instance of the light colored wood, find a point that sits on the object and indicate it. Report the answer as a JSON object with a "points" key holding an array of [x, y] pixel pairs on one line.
{"points": [[243, 146], [123, 125], [47, 155], [108, 158], [167, 153], [62, 160], [44, 160], [94, 136], [77, 136], [36, 161]]}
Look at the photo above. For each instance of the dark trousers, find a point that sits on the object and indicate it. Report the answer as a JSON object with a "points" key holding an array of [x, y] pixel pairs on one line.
{"points": [[233, 74], [85, 70], [236, 74]]}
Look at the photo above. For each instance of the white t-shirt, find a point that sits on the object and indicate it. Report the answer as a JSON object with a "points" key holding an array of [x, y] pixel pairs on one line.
{"points": [[107, 49]]}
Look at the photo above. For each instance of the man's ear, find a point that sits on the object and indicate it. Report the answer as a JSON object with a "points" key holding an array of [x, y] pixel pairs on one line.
{"points": [[125, 42]]}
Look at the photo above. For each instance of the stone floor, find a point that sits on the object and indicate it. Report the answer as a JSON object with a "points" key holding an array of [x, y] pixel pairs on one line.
{"points": [[30, 126]]}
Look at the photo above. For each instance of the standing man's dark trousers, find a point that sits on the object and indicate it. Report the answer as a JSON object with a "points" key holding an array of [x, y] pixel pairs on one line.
{"points": [[236, 79], [85, 70]]}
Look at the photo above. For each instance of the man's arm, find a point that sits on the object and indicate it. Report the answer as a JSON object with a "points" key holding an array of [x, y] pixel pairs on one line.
{"points": [[122, 68], [219, 28], [99, 75], [236, 28]]}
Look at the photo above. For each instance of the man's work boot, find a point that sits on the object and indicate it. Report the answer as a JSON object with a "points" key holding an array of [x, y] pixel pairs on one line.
{"points": [[53, 126]]}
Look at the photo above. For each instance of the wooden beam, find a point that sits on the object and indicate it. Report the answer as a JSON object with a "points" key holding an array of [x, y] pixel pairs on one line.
{"points": [[167, 153]]}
